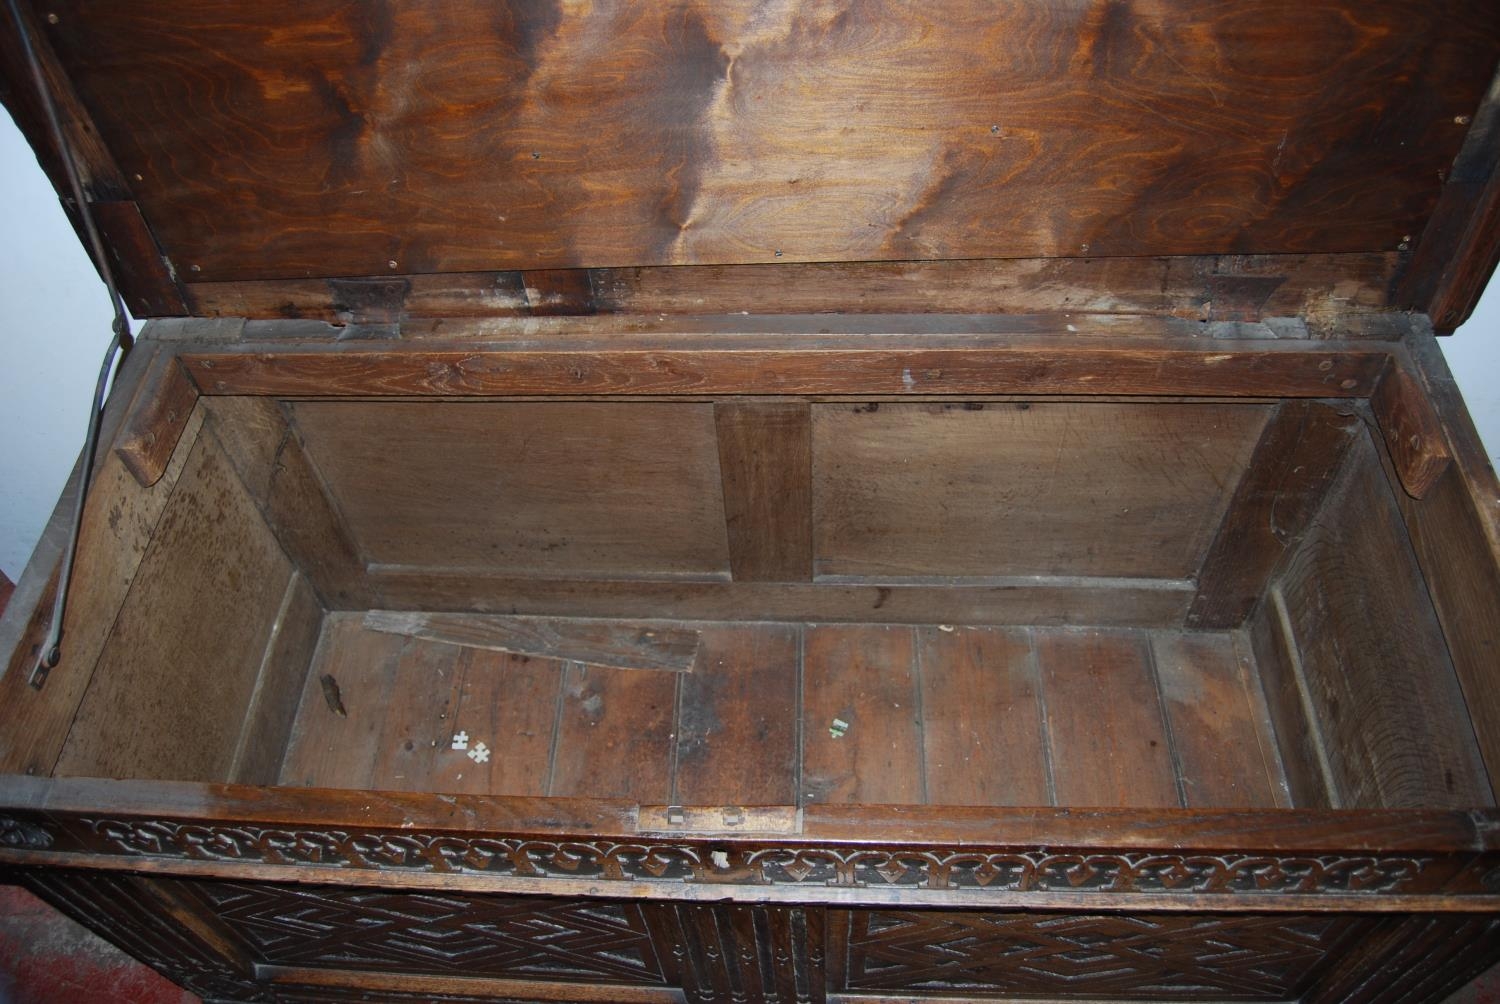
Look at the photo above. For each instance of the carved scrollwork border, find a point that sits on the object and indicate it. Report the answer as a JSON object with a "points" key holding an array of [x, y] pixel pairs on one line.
{"points": [[760, 864]]}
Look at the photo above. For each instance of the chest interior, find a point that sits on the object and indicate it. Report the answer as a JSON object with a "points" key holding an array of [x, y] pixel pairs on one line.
{"points": [[736, 407]]}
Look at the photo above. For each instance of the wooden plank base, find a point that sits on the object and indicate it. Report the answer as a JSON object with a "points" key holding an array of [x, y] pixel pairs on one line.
{"points": [[807, 714]]}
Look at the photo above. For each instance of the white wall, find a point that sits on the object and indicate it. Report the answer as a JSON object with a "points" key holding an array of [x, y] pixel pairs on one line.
{"points": [[54, 324]]}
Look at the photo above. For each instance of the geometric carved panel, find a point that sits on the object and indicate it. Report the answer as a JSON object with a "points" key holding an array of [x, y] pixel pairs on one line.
{"points": [[1223, 957], [436, 933]]}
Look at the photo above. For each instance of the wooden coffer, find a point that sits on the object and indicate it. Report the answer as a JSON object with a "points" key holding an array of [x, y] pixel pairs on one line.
{"points": [[746, 501]]}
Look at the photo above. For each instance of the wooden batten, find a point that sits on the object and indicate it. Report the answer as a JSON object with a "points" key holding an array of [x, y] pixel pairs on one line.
{"points": [[1412, 431], [167, 398]]}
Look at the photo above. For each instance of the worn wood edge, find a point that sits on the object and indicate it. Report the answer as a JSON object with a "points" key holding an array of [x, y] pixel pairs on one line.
{"points": [[473, 986], [1411, 429], [713, 327], [1080, 602], [664, 646], [904, 896], [1214, 369], [1198, 287], [156, 422], [1463, 581], [1357, 831]]}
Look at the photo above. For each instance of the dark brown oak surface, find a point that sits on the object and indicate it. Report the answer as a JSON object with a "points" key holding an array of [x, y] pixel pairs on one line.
{"points": [[325, 138]]}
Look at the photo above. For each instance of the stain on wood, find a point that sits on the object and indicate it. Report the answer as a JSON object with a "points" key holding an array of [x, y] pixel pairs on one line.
{"points": [[186, 649], [615, 734], [417, 719], [607, 644], [960, 131], [737, 728], [1326, 290]]}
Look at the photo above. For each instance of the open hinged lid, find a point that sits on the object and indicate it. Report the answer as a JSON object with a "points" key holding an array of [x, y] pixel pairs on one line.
{"points": [[510, 158]]}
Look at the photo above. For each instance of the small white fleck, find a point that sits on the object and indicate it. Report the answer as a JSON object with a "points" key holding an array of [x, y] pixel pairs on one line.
{"points": [[947, 628]]}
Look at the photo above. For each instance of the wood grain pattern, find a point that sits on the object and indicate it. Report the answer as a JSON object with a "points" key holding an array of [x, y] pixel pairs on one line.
{"points": [[1138, 367], [278, 689], [118, 524], [702, 132], [184, 655], [1309, 776], [737, 729], [1107, 738], [982, 718], [615, 735], [1457, 251], [328, 750], [1378, 672], [508, 702], [1224, 756], [607, 644], [273, 465], [419, 711], [1325, 290], [1023, 489], [1455, 532], [866, 678], [142, 273], [765, 456], [554, 489], [1412, 432], [151, 433], [1277, 497], [1023, 600]]}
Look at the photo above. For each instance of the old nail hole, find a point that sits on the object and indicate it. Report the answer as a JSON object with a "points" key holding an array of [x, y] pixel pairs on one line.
{"points": [[536, 155], [778, 252], [1326, 365]]}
